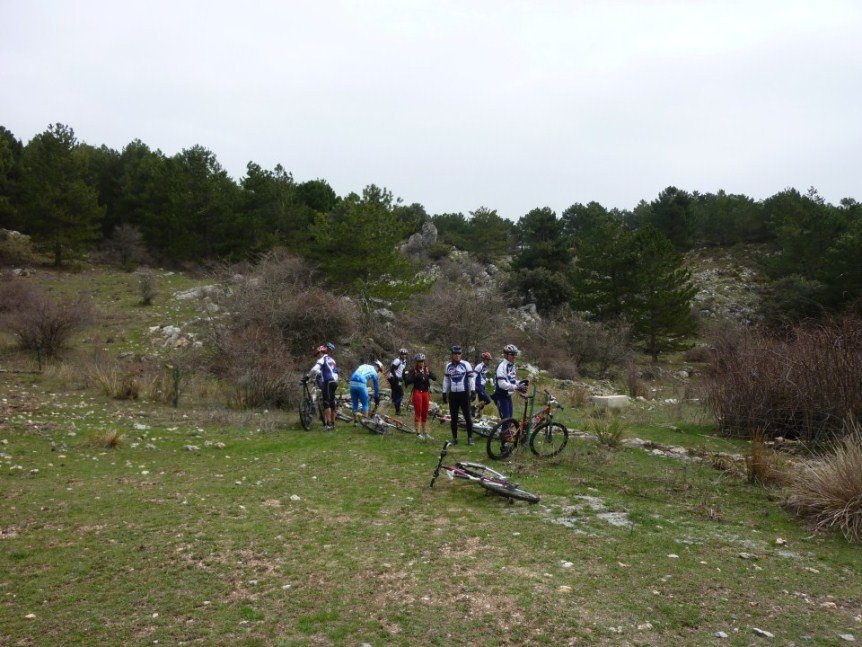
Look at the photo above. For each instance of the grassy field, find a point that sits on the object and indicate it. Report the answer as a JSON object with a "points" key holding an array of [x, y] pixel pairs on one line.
{"points": [[210, 526]]}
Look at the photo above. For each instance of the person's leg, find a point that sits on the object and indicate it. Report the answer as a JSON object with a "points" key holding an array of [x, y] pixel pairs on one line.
{"points": [[363, 399], [453, 415], [333, 387], [424, 403], [397, 395], [415, 398], [468, 418]]}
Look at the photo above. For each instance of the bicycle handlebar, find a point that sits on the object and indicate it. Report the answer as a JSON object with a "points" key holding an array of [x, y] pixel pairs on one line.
{"points": [[443, 453]]}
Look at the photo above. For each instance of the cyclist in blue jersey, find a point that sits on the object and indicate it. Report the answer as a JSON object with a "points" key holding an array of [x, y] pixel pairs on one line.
{"points": [[359, 387]]}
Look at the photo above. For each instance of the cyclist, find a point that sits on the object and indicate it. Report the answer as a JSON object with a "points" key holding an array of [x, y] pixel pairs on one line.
{"points": [[420, 377], [458, 383], [507, 382], [325, 373], [481, 371], [359, 387], [396, 379]]}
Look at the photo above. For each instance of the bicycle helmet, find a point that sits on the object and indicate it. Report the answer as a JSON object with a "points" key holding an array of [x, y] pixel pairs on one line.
{"points": [[456, 350], [511, 348], [330, 346], [322, 349], [378, 364], [486, 357], [402, 351], [419, 357]]}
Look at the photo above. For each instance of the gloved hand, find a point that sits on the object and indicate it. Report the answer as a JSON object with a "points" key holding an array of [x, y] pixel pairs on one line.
{"points": [[304, 380], [376, 400], [445, 398]]}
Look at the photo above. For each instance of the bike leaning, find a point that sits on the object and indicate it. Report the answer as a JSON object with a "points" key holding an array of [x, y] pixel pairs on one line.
{"points": [[545, 437]]}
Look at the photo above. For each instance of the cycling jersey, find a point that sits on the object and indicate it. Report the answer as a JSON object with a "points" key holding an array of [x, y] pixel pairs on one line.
{"points": [[396, 369], [361, 376], [324, 371], [507, 376], [458, 377], [481, 374]]}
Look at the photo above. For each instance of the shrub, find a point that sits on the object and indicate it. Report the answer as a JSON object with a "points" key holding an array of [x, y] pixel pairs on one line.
{"points": [[147, 287], [39, 322], [800, 387], [124, 248], [763, 465], [609, 432], [828, 491], [15, 248]]}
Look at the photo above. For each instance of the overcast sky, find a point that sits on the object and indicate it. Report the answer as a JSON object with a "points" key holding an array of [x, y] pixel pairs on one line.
{"points": [[456, 105]]}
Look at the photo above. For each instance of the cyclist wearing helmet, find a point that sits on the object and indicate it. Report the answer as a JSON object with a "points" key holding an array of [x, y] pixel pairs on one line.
{"points": [[359, 387], [396, 379], [507, 382], [481, 379], [325, 373], [458, 383], [420, 377]]}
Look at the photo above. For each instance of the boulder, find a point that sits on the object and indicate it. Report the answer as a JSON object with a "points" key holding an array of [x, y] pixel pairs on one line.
{"points": [[610, 401]]}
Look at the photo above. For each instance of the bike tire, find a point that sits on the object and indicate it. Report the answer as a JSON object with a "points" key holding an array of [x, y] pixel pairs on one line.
{"points": [[374, 426], [501, 441], [509, 491], [481, 429], [549, 439], [306, 414]]}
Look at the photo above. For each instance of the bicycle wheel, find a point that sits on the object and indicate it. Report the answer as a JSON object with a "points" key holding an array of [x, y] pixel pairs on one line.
{"points": [[482, 428], [501, 441], [374, 425], [510, 491], [306, 414], [549, 439]]}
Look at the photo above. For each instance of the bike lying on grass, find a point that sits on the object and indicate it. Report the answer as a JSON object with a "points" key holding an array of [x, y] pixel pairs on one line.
{"points": [[491, 480], [482, 427], [378, 423], [545, 437]]}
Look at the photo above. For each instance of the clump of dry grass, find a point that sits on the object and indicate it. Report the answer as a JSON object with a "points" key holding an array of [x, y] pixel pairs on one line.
{"points": [[107, 439], [828, 491], [763, 465], [609, 432]]}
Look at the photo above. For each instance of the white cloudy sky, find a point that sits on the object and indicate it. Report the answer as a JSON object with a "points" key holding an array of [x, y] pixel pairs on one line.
{"points": [[459, 104]]}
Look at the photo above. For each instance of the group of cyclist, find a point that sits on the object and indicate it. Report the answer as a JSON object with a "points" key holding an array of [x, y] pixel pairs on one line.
{"points": [[462, 386]]}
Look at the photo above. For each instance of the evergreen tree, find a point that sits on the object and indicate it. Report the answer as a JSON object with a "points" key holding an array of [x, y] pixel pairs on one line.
{"points": [[540, 268], [59, 208], [659, 309], [605, 274]]}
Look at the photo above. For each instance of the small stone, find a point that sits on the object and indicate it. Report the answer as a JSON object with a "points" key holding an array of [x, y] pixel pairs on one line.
{"points": [[564, 588], [294, 497], [156, 615], [191, 448], [285, 587], [811, 570], [720, 634], [646, 626], [30, 616], [673, 556], [848, 637], [762, 633], [779, 541], [828, 605], [566, 564], [747, 556]]}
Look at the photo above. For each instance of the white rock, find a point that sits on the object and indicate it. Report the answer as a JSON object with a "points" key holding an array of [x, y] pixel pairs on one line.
{"points": [[848, 637], [646, 626], [294, 497], [762, 633], [779, 541], [191, 448], [673, 556], [720, 634]]}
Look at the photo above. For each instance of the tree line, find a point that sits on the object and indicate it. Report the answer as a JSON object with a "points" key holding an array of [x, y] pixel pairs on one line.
{"points": [[610, 263]]}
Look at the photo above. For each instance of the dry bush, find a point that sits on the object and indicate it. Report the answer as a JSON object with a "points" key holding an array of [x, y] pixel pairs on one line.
{"points": [[39, 322], [107, 439], [281, 296], [596, 347], [828, 491], [635, 386], [259, 368], [457, 313], [801, 387], [15, 248], [699, 353], [763, 465]]}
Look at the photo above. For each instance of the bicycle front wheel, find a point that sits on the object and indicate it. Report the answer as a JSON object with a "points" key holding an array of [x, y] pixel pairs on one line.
{"points": [[509, 491], [306, 414], [374, 425], [502, 439], [549, 439]]}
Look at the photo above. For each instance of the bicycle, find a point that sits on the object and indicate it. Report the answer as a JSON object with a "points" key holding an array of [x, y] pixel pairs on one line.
{"points": [[308, 406], [482, 427], [378, 423], [490, 479], [545, 437]]}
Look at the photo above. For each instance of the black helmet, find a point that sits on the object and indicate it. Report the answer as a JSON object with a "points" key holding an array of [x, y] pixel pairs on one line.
{"points": [[456, 349]]}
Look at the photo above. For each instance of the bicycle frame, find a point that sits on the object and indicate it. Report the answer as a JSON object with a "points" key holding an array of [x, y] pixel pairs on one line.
{"points": [[462, 469]]}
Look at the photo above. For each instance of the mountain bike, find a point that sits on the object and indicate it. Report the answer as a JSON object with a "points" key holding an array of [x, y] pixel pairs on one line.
{"points": [[484, 476], [308, 406], [378, 423], [482, 427], [545, 437]]}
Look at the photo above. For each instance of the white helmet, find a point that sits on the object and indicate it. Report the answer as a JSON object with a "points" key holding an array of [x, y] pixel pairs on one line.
{"points": [[378, 364], [510, 348]]}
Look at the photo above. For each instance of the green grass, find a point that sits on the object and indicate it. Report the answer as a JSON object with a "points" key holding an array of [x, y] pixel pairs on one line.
{"points": [[150, 542], [133, 545]]}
